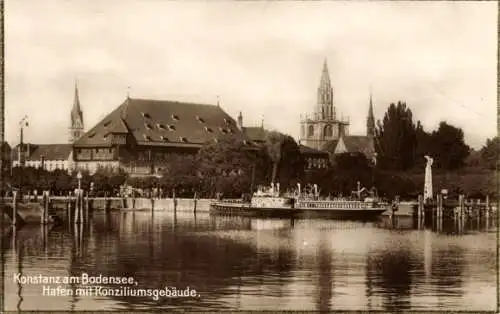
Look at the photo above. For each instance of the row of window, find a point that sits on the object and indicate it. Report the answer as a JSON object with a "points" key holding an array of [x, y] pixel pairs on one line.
{"points": [[176, 118], [328, 130], [88, 151], [317, 163]]}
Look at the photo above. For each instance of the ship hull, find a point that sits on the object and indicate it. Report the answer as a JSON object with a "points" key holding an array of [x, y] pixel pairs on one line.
{"points": [[222, 208]]}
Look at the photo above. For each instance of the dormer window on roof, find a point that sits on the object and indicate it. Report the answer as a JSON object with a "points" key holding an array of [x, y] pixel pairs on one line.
{"points": [[171, 127], [146, 115], [200, 119], [160, 126], [175, 117], [227, 121], [147, 137], [91, 135], [223, 130], [148, 126], [105, 137], [183, 139], [209, 130], [107, 123]]}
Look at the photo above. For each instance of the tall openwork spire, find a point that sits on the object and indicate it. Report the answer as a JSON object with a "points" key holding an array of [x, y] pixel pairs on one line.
{"points": [[370, 120], [76, 117], [324, 109]]}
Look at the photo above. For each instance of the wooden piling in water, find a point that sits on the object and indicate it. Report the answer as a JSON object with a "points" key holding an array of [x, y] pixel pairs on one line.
{"points": [[461, 212], [78, 207], [175, 200], [195, 200], [487, 209], [44, 219], [152, 204], [107, 205], [14, 208], [68, 206], [420, 208], [87, 208]]}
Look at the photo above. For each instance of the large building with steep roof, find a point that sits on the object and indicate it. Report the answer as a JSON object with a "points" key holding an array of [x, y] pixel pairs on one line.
{"points": [[140, 134]]}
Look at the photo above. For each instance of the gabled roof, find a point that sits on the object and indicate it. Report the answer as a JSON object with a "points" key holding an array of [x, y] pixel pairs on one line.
{"points": [[330, 146], [255, 133], [47, 151], [359, 144], [309, 151], [163, 123]]}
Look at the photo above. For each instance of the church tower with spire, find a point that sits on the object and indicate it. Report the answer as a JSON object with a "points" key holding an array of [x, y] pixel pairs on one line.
{"points": [[322, 125], [370, 120], [76, 127]]}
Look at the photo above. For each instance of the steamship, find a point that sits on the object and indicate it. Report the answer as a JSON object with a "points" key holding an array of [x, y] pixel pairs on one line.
{"points": [[270, 203]]}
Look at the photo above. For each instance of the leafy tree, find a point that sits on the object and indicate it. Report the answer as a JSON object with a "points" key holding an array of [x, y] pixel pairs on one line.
{"points": [[287, 161], [291, 169], [450, 150], [180, 173], [274, 142], [228, 158], [489, 152], [395, 138], [423, 146]]}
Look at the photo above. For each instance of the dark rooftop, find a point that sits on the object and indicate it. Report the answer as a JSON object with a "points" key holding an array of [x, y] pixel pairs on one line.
{"points": [[306, 150], [152, 122], [48, 151], [255, 133], [359, 144]]}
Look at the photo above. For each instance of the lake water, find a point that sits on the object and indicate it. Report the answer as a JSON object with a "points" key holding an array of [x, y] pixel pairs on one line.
{"points": [[255, 264]]}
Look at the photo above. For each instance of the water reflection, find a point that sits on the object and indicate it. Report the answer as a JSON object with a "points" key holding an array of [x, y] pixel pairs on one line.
{"points": [[257, 264]]}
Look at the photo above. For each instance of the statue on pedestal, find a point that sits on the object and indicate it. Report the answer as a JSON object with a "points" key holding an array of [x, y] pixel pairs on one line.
{"points": [[428, 179]]}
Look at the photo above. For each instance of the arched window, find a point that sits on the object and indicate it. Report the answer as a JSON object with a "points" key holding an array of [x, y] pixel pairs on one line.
{"points": [[328, 131], [310, 130]]}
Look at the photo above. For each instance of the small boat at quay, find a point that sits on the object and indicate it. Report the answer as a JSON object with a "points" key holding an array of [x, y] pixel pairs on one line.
{"points": [[270, 203]]}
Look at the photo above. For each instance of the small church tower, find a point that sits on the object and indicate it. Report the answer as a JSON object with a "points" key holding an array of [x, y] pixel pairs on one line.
{"points": [[370, 120], [76, 128]]}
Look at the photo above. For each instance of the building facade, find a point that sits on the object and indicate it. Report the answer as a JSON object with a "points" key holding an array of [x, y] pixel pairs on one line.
{"points": [[324, 131], [141, 134], [360, 144], [323, 125], [315, 160], [49, 157]]}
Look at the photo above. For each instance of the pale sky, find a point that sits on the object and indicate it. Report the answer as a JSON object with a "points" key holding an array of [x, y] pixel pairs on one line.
{"points": [[263, 58]]}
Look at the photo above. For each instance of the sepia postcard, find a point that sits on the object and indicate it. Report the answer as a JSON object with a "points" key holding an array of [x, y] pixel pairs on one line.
{"points": [[322, 156]]}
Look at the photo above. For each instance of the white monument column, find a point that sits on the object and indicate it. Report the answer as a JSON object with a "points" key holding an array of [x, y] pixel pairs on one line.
{"points": [[428, 179]]}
